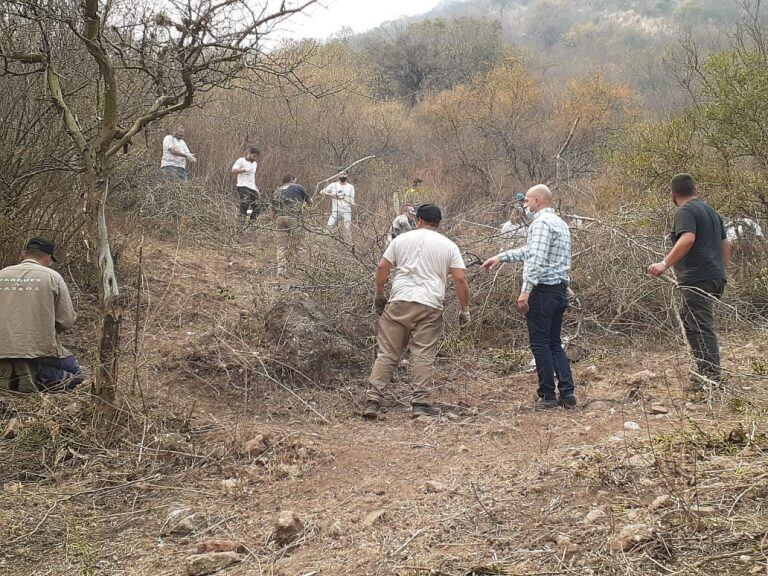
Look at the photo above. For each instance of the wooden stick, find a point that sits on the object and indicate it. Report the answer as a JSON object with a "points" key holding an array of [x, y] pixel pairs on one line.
{"points": [[317, 186]]}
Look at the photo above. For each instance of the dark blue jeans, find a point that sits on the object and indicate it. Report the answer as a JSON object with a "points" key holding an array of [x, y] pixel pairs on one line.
{"points": [[545, 320], [58, 373]]}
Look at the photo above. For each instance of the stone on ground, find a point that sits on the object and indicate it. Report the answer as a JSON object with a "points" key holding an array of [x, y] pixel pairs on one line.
{"points": [[11, 429], [630, 536], [202, 564], [207, 546], [288, 527]]}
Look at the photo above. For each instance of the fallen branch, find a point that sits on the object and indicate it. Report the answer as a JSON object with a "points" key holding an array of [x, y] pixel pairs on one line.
{"points": [[355, 163]]}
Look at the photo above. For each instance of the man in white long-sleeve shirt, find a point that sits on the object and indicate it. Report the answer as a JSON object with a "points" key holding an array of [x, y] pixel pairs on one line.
{"points": [[175, 155], [342, 195]]}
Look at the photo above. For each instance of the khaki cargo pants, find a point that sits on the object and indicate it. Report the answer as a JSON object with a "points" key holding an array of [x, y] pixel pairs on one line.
{"points": [[19, 375], [289, 237], [406, 325]]}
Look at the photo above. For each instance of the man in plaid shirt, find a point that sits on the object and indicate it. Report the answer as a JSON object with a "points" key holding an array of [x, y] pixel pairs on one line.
{"points": [[544, 295]]}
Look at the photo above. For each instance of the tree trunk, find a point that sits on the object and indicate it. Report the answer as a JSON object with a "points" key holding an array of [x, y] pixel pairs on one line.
{"points": [[100, 255]]}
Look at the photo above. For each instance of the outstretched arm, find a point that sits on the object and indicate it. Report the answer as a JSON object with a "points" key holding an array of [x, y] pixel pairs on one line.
{"points": [[462, 286], [678, 252]]}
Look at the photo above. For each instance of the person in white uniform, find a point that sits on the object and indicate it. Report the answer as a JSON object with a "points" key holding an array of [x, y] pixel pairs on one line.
{"points": [[342, 195], [245, 168], [176, 154]]}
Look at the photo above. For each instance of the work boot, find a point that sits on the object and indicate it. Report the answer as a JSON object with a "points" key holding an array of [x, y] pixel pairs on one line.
{"points": [[568, 401], [424, 409], [371, 411], [545, 404]]}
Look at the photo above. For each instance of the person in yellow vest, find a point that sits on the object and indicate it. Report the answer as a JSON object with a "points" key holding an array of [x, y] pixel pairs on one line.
{"points": [[415, 195]]}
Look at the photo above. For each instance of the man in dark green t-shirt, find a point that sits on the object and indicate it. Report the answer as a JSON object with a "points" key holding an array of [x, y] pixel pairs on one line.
{"points": [[700, 254]]}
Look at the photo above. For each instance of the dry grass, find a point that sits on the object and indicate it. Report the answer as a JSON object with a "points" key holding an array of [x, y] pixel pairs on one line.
{"points": [[208, 376]]}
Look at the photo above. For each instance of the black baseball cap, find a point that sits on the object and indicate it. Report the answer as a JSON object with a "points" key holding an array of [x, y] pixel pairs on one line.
{"points": [[429, 213], [42, 245]]}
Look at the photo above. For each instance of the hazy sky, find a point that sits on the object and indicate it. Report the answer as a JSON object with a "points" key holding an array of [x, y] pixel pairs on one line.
{"points": [[329, 16]]}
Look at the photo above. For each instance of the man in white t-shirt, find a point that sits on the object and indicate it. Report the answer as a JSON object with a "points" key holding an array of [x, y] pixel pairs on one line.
{"points": [[342, 195], [514, 231], [175, 155], [246, 188], [412, 317], [405, 222]]}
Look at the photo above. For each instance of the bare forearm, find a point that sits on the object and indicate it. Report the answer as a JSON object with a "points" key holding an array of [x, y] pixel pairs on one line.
{"points": [[726, 253], [382, 275], [679, 250], [462, 292]]}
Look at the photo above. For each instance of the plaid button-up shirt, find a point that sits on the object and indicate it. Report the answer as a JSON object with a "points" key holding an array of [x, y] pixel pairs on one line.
{"points": [[547, 255]]}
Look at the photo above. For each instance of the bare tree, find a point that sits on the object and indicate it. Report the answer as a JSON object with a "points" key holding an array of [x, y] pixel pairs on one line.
{"points": [[112, 68]]}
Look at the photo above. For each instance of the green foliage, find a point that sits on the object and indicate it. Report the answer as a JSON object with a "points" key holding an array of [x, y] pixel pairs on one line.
{"points": [[719, 137], [735, 113]]}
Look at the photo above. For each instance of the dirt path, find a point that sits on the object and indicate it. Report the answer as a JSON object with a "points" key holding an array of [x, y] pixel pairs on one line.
{"points": [[490, 488]]}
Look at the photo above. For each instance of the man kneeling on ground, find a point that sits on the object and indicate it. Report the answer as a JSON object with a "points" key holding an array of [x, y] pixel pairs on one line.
{"points": [[35, 306], [413, 315]]}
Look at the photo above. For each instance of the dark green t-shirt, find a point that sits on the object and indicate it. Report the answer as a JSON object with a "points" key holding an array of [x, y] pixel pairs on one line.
{"points": [[704, 261]]}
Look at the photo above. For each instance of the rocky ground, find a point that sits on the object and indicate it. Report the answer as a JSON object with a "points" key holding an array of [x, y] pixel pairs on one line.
{"points": [[206, 473]]}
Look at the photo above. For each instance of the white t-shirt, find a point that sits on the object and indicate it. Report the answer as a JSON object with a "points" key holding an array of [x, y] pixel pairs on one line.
{"points": [[169, 159], [742, 228], [246, 179], [513, 235], [343, 196], [422, 259]]}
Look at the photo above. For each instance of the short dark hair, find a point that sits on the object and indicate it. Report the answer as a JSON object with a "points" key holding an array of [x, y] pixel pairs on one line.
{"points": [[253, 150], [683, 185], [430, 213], [288, 178], [36, 254]]}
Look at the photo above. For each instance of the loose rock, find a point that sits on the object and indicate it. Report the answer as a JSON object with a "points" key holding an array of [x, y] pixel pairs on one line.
{"points": [[591, 371], [641, 460], [640, 378], [660, 502], [219, 546], [434, 486], [659, 409], [202, 564], [288, 527], [287, 471], [564, 542], [172, 442], [373, 518], [631, 425], [630, 536], [12, 487], [232, 485], [181, 521], [11, 429], [594, 515], [336, 529], [257, 446]]}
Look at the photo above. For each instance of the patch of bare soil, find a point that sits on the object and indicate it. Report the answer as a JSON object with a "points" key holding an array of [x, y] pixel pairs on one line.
{"points": [[642, 478]]}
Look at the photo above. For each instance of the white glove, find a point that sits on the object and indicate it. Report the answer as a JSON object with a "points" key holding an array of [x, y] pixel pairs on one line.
{"points": [[191, 158]]}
